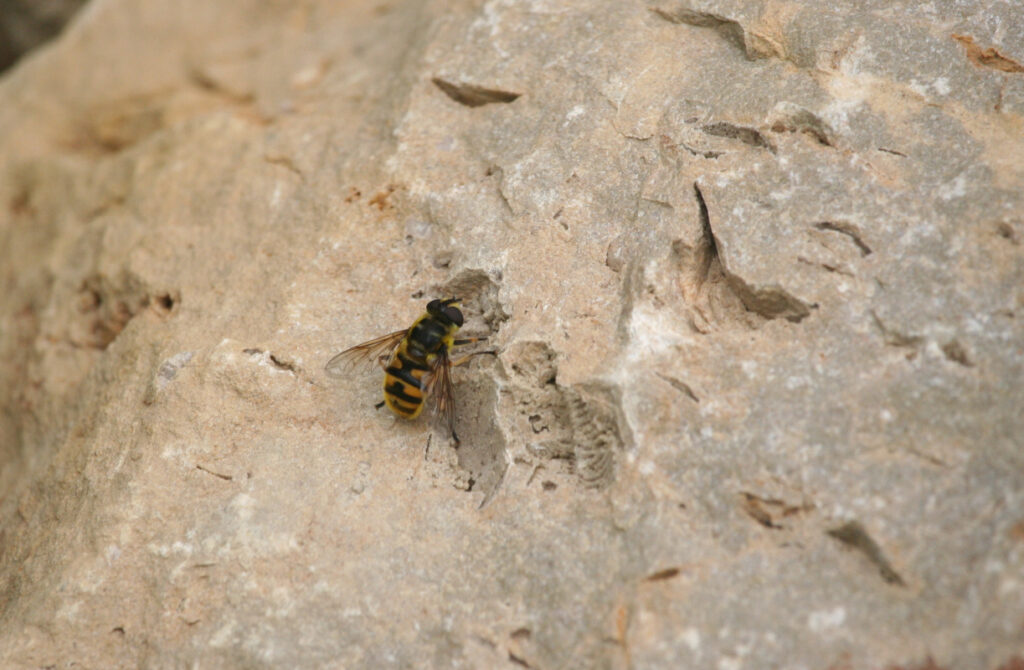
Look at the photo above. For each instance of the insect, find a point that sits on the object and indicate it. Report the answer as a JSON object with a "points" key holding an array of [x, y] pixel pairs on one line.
{"points": [[417, 362]]}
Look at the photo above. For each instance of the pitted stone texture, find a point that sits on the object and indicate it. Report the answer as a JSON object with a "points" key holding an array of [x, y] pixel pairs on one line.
{"points": [[754, 274]]}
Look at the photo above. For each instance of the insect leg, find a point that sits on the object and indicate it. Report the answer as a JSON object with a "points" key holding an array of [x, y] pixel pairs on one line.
{"points": [[379, 405], [468, 340], [460, 361]]}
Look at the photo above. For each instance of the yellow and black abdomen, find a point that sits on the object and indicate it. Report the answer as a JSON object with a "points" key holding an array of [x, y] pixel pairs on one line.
{"points": [[404, 384]]}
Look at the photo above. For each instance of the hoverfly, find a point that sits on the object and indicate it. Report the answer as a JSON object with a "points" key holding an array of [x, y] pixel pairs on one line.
{"points": [[417, 362]]}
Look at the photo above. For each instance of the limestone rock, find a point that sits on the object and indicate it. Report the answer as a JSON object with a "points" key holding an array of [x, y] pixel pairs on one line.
{"points": [[754, 274]]}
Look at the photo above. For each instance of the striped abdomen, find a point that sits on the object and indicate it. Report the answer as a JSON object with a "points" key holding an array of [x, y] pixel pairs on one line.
{"points": [[415, 356]]}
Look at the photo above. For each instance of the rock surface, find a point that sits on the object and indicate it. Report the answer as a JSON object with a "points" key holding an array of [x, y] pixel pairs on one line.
{"points": [[25, 24], [754, 272]]}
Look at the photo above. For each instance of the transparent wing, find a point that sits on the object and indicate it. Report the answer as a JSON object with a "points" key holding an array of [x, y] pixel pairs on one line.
{"points": [[439, 387], [367, 352]]}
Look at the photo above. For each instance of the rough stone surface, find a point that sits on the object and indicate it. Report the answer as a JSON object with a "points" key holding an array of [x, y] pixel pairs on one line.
{"points": [[755, 276]]}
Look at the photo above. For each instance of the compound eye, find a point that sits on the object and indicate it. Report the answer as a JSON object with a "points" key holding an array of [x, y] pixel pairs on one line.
{"points": [[454, 315], [434, 306]]}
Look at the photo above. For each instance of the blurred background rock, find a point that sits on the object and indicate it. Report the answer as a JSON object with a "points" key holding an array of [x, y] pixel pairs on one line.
{"points": [[25, 24]]}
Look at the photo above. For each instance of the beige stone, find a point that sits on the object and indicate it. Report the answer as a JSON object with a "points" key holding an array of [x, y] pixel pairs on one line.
{"points": [[755, 278]]}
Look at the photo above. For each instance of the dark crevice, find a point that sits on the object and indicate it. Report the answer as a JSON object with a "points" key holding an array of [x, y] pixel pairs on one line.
{"points": [[709, 252], [164, 304], [731, 31], [226, 478], [1005, 230], [662, 575], [990, 58], [277, 362], [770, 302], [893, 337], [282, 364], [206, 82], [828, 267], [768, 511], [285, 162], [811, 127], [821, 138], [668, 144], [955, 352], [474, 96], [680, 386], [847, 229], [702, 154], [749, 136], [752, 505], [854, 535]]}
